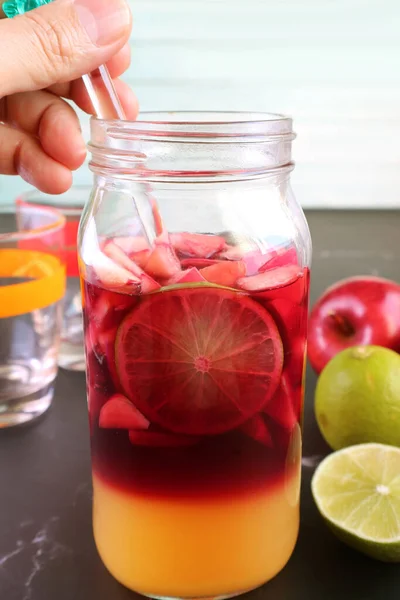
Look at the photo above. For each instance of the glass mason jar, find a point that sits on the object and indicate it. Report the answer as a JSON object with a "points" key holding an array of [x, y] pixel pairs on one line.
{"points": [[194, 259]]}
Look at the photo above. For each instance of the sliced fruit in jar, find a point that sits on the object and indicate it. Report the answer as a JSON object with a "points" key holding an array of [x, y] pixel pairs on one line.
{"points": [[148, 284], [161, 440], [257, 429], [280, 258], [136, 248], [254, 259], [199, 361], [118, 272], [224, 273], [201, 245], [162, 262], [140, 258], [199, 263], [270, 279], [132, 244], [282, 406], [113, 276], [119, 257], [192, 275], [101, 342], [119, 413]]}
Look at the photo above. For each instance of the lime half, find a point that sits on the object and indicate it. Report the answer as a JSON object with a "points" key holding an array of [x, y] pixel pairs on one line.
{"points": [[357, 491]]}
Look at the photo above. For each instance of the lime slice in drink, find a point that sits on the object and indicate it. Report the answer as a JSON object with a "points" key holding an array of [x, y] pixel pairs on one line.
{"points": [[357, 491], [199, 360]]}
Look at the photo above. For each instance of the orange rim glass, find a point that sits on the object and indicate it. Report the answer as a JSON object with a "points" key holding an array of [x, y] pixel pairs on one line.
{"points": [[31, 239], [70, 204]]}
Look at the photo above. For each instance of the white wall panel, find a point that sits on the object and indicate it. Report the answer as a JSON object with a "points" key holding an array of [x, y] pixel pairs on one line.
{"points": [[334, 65]]}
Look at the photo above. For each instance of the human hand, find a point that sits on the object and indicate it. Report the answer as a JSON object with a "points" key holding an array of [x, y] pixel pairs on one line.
{"points": [[43, 55]]}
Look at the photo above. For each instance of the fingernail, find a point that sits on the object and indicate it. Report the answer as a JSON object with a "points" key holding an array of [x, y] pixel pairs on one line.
{"points": [[105, 21]]}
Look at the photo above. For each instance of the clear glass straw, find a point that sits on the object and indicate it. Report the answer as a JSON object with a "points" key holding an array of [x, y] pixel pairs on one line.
{"points": [[102, 94]]}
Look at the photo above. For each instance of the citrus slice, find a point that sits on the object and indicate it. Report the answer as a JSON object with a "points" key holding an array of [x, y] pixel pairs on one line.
{"points": [[119, 413], [199, 360], [357, 491], [46, 286], [34, 269]]}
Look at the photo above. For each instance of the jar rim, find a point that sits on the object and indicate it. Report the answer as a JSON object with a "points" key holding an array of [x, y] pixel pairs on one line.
{"points": [[202, 124], [193, 145]]}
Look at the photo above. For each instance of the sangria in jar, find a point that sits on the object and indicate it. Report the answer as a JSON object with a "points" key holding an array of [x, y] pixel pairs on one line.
{"points": [[194, 262]]}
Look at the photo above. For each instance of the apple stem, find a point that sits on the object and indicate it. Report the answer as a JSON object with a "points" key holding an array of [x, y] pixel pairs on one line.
{"points": [[342, 324]]}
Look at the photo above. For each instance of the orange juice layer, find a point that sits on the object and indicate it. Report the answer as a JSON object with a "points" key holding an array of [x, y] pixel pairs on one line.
{"points": [[188, 548]]}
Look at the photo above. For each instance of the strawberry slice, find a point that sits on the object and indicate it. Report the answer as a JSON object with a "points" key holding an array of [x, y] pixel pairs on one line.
{"points": [[119, 413], [192, 275], [199, 263], [159, 439], [200, 245], [257, 429], [270, 279], [225, 273], [281, 407], [162, 262]]}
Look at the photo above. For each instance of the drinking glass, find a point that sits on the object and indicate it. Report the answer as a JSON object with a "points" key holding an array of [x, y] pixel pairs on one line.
{"points": [[32, 287], [194, 258], [70, 204]]}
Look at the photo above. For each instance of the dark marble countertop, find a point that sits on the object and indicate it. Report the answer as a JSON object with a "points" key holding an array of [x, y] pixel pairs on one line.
{"points": [[46, 546]]}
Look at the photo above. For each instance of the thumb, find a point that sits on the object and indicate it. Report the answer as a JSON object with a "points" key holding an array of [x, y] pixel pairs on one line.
{"points": [[60, 42]]}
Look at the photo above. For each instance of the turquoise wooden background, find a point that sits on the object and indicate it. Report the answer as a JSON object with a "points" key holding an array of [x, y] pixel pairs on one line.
{"points": [[334, 65]]}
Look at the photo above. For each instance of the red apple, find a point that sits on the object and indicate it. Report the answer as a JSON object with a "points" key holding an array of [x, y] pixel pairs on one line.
{"points": [[354, 311]]}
